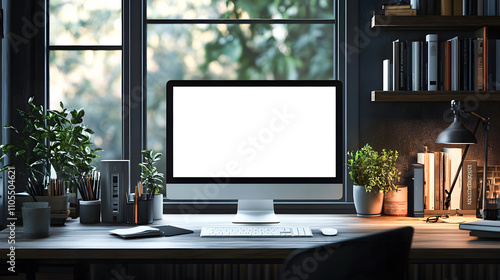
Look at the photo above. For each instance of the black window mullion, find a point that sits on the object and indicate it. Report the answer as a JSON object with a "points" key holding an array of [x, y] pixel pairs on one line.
{"points": [[84, 48], [240, 21]]}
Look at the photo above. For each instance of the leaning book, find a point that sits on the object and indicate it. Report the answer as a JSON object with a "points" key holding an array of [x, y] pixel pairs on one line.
{"points": [[482, 225]]}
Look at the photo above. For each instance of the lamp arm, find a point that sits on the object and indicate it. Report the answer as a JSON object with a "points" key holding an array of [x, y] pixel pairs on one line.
{"points": [[448, 193]]}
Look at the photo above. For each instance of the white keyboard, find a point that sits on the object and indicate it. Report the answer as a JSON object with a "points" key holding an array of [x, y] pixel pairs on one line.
{"points": [[255, 231]]}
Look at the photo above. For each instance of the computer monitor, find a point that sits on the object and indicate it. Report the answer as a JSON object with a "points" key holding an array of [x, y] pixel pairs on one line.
{"points": [[255, 141]]}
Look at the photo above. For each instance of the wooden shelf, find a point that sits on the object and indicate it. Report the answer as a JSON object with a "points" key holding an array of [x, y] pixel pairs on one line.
{"points": [[433, 96], [435, 22]]}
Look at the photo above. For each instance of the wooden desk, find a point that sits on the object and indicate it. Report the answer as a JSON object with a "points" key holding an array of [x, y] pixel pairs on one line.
{"points": [[433, 243]]}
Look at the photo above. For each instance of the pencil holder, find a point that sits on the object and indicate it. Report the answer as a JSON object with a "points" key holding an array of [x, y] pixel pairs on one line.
{"points": [[90, 211], [144, 211]]}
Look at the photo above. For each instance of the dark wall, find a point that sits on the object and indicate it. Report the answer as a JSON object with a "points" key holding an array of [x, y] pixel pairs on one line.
{"points": [[407, 127]]}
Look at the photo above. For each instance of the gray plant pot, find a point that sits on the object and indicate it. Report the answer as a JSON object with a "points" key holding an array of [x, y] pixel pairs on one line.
{"points": [[368, 204], [36, 219], [90, 211]]}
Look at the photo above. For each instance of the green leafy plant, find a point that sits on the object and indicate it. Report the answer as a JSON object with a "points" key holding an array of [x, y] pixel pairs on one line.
{"points": [[375, 171], [29, 154], [57, 139], [151, 178]]}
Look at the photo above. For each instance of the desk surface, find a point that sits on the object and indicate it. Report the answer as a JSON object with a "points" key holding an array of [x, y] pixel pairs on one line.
{"points": [[431, 242]]}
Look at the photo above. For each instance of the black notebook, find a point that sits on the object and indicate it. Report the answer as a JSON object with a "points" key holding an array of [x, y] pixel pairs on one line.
{"points": [[147, 231]]}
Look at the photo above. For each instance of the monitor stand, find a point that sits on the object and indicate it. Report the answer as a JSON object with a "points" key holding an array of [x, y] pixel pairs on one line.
{"points": [[255, 211]]}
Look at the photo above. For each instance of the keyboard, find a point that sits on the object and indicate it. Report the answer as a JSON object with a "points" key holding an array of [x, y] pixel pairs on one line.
{"points": [[255, 231]]}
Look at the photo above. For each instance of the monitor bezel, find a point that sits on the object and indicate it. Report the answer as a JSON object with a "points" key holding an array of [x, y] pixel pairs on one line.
{"points": [[339, 179]]}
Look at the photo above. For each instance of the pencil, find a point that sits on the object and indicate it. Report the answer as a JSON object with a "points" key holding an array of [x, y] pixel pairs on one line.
{"points": [[135, 216]]}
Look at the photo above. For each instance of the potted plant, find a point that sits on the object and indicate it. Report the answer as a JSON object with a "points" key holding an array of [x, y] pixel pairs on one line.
{"points": [[373, 174], [50, 140], [153, 180]]}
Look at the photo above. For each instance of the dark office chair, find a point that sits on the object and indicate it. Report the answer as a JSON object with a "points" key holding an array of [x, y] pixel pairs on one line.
{"points": [[381, 255]]}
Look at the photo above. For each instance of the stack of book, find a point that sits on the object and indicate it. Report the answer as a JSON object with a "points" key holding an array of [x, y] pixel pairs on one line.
{"points": [[397, 10], [440, 169], [457, 64], [457, 7]]}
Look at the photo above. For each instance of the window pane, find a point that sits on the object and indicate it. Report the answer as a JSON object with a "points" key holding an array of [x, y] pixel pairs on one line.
{"points": [[91, 80], [237, 52], [210, 9], [85, 22]]}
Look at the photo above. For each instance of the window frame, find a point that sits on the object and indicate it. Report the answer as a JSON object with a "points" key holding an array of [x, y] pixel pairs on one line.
{"points": [[134, 96]]}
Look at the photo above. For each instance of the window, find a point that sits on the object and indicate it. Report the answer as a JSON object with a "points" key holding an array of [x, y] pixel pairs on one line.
{"points": [[238, 40], [92, 44], [85, 66]]}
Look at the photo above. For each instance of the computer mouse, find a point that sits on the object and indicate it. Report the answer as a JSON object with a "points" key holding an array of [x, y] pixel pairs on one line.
{"points": [[328, 231]]}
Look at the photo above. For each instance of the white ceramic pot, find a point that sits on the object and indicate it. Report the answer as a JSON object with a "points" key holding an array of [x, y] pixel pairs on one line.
{"points": [[368, 204], [158, 206]]}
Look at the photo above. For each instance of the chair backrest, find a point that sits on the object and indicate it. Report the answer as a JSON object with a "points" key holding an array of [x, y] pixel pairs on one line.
{"points": [[381, 255]]}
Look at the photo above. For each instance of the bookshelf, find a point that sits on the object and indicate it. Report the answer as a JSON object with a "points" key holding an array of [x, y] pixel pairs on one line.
{"points": [[431, 96], [434, 22]]}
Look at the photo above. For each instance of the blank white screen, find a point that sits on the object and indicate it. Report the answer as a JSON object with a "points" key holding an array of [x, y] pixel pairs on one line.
{"points": [[254, 132]]}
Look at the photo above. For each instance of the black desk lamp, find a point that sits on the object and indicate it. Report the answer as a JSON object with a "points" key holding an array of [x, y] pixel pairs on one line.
{"points": [[456, 133]]}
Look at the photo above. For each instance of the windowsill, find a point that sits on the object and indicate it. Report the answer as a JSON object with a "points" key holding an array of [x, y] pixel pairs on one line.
{"points": [[285, 207]]}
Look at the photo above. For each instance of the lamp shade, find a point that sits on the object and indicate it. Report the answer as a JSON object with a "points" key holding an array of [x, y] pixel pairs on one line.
{"points": [[456, 133]]}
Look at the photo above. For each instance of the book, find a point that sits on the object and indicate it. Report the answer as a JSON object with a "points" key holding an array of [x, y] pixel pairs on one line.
{"points": [[415, 4], [403, 83], [490, 8], [484, 234], [492, 60], [447, 66], [415, 65], [465, 7], [395, 64], [433, 7], [416, 199], [454, 66], [438, 196], [397, 7], [446, 7], [469, 188], [455, 156], [407, 12], [147, 231], [480, 8], [482, 225], [427, 159], [478, 65], [386, 79], [457, 7], [432, 61]]}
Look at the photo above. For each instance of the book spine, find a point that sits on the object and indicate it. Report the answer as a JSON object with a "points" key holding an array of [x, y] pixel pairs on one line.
{"points": [[473, 7], [491, 8], [454, 64], [470, 65], [423, 7], [447, 66], [415, 4], [464, 60], [395, 65], [498, 8], [455, 156], [402, 66], [386, 75], [409, 12], [432, 61], [441, 179], [437, 195], [480, 7], [479, 69], [457, 7], [446, 7], [434, 7], [423, 66], [492, 64], [415, 64], [465, 7], [485, 57], [417, 203], [469, 190]]}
